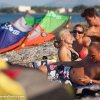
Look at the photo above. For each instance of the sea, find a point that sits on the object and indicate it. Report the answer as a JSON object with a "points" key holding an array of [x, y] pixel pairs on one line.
{"points": [[76, 17]]}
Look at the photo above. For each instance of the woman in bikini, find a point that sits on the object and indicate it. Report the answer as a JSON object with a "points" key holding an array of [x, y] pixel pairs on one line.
{"points": [[82, 42]]}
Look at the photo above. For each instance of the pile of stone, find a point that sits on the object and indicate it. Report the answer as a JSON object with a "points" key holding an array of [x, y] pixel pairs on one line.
{"points": [[31, 54]]}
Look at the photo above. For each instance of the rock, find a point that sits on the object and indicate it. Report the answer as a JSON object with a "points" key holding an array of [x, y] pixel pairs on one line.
{"points": [[32, 53]]}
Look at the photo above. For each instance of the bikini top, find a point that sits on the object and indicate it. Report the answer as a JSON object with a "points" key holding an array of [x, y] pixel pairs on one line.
{"points": [[82, 54], [74, 56]]}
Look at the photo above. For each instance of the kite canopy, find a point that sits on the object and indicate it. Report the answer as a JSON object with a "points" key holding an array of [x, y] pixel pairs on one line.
{"points": [[29, 20], [10, 37], [23, 25], [51, 23], [28, 31]]}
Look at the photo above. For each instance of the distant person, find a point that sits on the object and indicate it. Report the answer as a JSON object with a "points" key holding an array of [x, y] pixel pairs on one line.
{"points": [[93, 20], [81, 42]]}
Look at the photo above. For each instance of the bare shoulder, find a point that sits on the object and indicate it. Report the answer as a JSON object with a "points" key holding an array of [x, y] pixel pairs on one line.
{"points": [[86, 40], [91, 28], [64, 50], [64, 54], [96, 66]]}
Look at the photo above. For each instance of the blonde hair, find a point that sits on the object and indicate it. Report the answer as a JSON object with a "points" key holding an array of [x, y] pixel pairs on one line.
{"points": [[57, 43], [61, 32]]}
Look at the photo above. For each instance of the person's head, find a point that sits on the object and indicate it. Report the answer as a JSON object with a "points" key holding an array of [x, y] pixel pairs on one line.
{"points": [[65, 36], [78, 30], [94, 51], [90, 15]]}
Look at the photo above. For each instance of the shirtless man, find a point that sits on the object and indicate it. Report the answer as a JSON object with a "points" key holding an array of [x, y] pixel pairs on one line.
{"points": [[93, 20], [89, 71]]}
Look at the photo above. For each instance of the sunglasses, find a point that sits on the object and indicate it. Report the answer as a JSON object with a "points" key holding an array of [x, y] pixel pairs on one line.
{"points": [[76, 31]]}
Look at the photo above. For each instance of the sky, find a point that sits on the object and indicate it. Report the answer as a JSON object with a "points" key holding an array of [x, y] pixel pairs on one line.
{"points": [[54, 3]]}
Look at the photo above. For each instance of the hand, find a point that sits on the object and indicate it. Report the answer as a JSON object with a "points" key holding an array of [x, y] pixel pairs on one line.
{"points": [[85, 79], [54, 65], [79, 59]]}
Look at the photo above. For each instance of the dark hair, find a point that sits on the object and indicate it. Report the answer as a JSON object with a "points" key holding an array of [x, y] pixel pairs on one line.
{"points": [[57, 44], [44, 57], [90, 12], [95, 45]]}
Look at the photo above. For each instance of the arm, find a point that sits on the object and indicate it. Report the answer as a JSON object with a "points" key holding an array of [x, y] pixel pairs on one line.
{"points": [[64, 54], [93, 31], [73, 63], [86, 41], [96, 81], [87, 80], [94, 77]]}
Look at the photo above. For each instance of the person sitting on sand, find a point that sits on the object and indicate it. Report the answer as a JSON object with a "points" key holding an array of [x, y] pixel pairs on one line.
{"points": [[65, 50], [93, 20], [81, 42]]}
